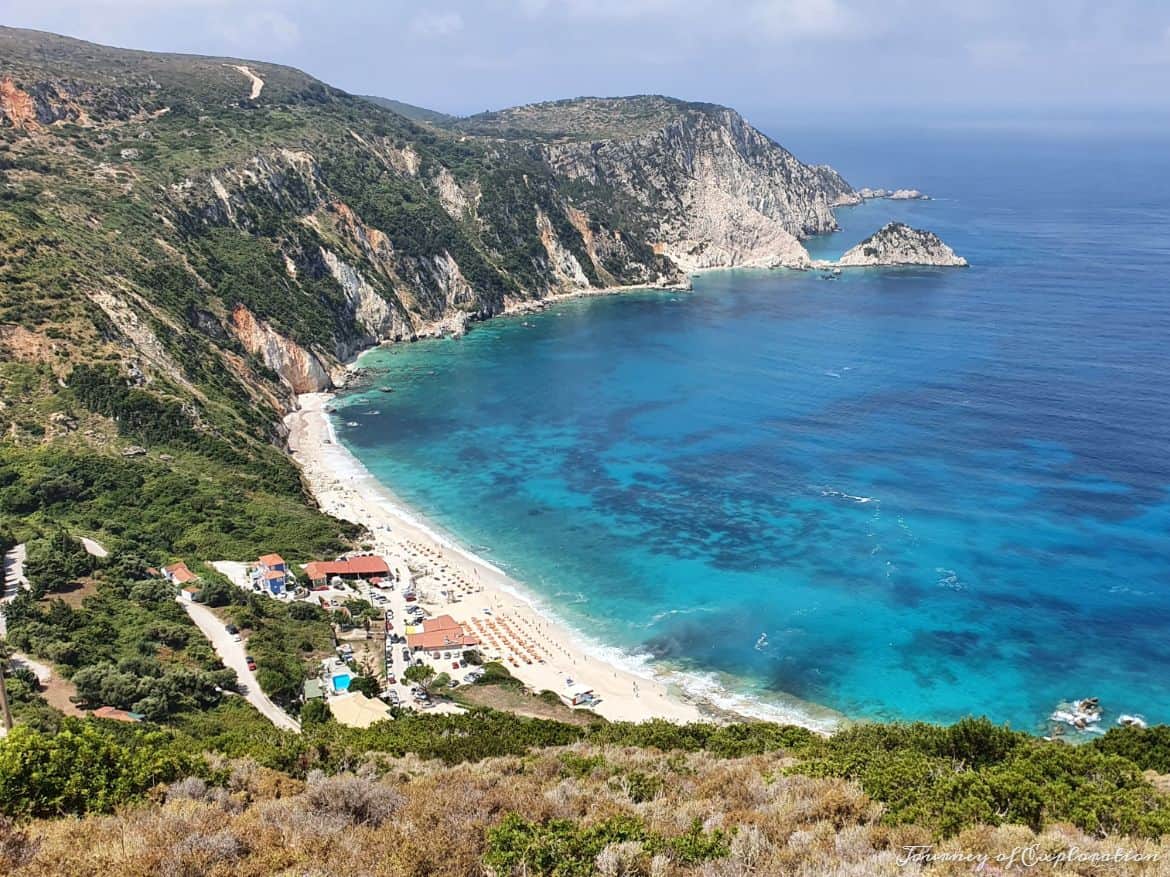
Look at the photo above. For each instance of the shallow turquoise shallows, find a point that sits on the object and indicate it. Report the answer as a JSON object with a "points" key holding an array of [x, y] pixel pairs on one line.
{"points": [[919, 493]]}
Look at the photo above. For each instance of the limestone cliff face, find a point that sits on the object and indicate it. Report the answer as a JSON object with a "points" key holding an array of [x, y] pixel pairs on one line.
{"points": [[301, 369], [699, 188], [712, 191], [898, 244]]}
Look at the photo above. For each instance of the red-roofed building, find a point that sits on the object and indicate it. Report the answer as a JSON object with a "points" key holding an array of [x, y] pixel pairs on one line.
{"points": [[441, 634], [109, 712], [320, 571], [178, 574], [272, 574]]}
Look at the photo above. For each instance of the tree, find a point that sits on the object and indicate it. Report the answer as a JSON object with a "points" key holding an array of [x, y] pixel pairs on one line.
{"points": [[217, 592], [315, 712], [366, 685], [420, 674], [56, 562]]}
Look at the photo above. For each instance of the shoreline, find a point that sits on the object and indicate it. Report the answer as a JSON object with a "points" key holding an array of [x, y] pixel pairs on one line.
{"points": [[343, 487], [334, 476]]}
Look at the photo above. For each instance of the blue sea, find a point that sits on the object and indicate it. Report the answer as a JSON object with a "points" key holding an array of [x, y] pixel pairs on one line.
{"points": [[901, 494]]}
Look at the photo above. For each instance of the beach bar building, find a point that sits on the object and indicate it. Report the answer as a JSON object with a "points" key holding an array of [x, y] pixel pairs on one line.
{"points": [[441, 634], [320, 572]]}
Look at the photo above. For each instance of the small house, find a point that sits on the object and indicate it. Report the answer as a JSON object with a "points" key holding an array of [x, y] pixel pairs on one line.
{"points": [[313, 690], [179, 574], [271, 573]]}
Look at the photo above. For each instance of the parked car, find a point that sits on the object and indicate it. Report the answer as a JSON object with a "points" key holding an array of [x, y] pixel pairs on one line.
{"points": [[406, 655], [390, 679], [250, 661]]}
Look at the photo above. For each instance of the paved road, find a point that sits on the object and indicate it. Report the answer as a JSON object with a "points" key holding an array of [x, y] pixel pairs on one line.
{"points": [[232, 654]]}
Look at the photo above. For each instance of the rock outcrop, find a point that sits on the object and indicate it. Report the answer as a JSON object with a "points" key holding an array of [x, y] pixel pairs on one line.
{"points": [[899, 244], [866, 193]]}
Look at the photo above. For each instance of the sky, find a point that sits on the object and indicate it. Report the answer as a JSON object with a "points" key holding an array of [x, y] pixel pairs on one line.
{"points": [[987, 61]]}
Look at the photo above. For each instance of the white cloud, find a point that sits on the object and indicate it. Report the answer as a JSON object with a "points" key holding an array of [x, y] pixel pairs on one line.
{"points": [[253, 30], [436, 24], [803, 18]]}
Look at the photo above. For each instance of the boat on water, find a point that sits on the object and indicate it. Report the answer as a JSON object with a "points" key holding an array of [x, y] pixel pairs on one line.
{"points": [[352, 423]]}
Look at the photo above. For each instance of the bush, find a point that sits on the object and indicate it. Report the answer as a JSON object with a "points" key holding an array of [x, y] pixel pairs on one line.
{"points": [[565, 848], [315, 712], [952, 778], [84, 768], [559, 847], [1148, 748], [495, 673], [362, 801], [217, 591]]}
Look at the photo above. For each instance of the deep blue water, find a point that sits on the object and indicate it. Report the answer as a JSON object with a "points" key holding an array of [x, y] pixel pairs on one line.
{"points": [[937, 492]]}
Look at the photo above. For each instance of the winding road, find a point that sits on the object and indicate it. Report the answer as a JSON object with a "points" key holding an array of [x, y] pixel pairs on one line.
{"points": [[233, 654]]}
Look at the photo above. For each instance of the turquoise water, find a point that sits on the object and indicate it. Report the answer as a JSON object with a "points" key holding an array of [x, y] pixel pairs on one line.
{"points": [[919, 493]]}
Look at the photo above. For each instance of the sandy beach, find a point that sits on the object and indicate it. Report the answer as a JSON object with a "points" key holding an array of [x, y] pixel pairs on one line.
{"points": [[536, 649]]}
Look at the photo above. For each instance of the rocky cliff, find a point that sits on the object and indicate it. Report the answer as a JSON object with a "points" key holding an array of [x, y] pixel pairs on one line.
{"points": [[708, 189], [898, 244], [258, 227]]}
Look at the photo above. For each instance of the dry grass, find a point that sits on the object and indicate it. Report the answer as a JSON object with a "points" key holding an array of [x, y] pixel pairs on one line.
{"points": [[418, 818]]}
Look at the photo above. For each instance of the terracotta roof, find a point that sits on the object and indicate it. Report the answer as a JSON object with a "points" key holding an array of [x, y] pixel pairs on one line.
{"points": [[441, 622], [443, 632], [180, 573], [109, 712], [441, 639], [272, 560], [354, 566], [275, 574]]}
